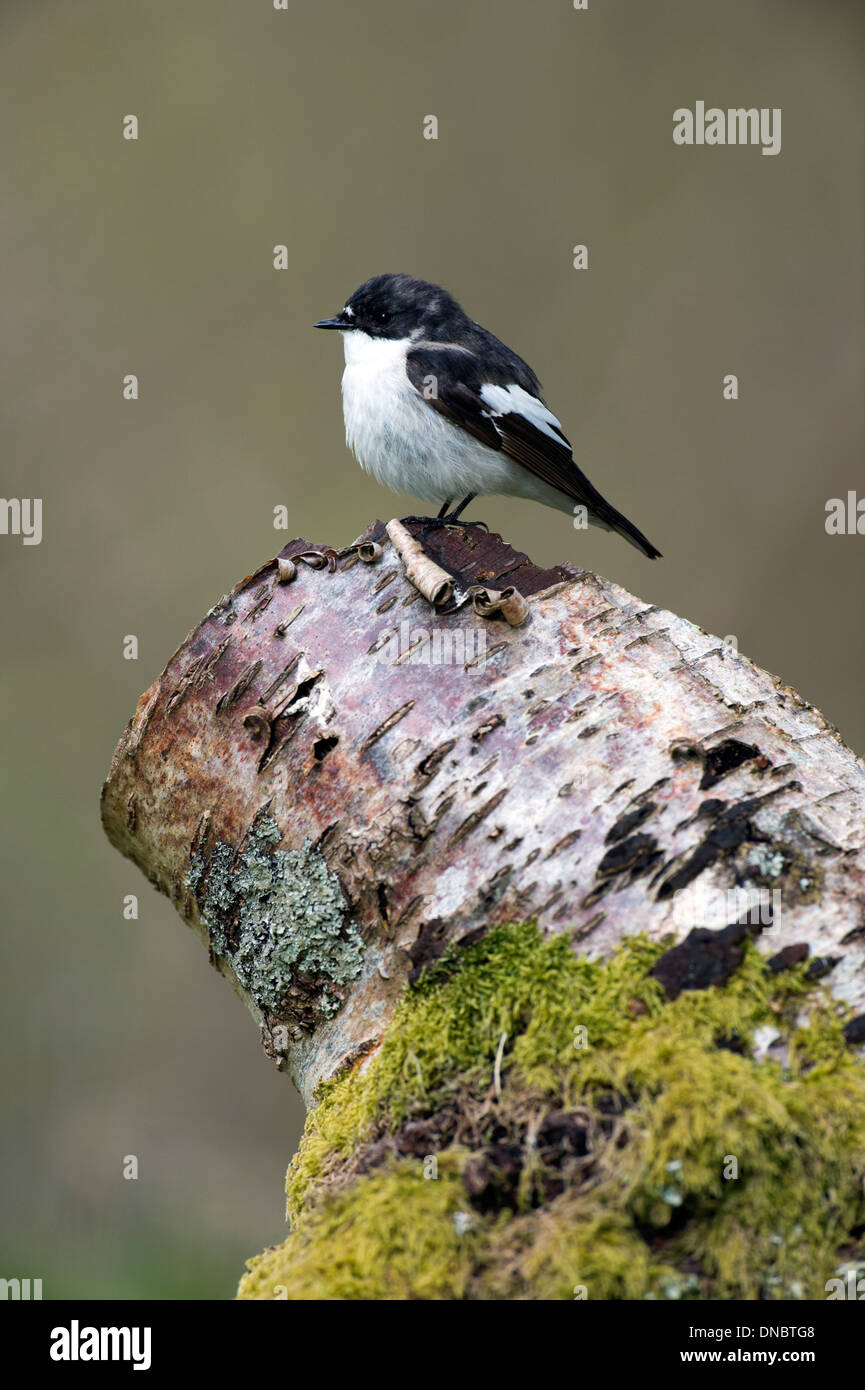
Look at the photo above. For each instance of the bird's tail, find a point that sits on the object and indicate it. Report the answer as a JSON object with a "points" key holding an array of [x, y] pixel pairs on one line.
{"points": [[631, 533], [602, 513]]}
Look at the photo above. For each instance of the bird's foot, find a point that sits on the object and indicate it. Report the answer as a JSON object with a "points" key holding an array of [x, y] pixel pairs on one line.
{"points": [[448, 518], [429, 524], [451, 523], [445, 517], [458, 521]]}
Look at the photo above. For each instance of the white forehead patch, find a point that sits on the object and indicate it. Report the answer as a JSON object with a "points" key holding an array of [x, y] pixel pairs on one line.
{"points": [[349, 311]]}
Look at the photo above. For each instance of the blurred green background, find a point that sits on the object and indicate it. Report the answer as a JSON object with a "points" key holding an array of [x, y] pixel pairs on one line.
{"points": [[304, 127]]}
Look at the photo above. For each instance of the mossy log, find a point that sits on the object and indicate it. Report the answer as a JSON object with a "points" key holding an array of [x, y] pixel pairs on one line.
{"points": [[647, 1082]]}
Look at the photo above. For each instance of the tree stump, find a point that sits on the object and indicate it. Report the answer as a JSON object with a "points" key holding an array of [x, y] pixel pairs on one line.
{"points": [[337, 783]]}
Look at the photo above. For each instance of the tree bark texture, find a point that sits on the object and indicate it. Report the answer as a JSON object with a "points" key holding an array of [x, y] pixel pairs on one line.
{"points": [[333, 780]]}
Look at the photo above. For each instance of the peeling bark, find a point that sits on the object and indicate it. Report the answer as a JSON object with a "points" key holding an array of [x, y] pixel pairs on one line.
{"points": [[333, 780]]}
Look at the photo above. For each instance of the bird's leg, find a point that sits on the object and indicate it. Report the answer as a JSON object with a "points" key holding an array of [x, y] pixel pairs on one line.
{"points": [[457, 511], [434, 523], [453, 516]]}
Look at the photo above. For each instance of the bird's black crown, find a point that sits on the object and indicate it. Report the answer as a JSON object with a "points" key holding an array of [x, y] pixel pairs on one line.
{"points": [[397, 306]]}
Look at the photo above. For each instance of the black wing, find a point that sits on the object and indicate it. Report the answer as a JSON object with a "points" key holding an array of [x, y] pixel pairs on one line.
{"points": [[450, 381]]}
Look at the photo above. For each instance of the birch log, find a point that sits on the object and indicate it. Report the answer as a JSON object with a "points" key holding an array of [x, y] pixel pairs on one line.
{"points": [[333, 780]]}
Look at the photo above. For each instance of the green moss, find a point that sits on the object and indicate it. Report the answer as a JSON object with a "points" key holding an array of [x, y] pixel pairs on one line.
{"points": [[719, 1175], [368, 1250]]}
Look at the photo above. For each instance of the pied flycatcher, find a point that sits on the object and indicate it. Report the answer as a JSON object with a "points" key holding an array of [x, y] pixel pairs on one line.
{"points": [[436, 406]]}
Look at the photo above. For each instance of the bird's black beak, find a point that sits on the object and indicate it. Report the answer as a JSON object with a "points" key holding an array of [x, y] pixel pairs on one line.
{"points": [[336, 322]]}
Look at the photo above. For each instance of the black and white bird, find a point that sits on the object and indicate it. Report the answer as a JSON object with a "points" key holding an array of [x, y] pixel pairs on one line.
{"points": [[436, 406]]}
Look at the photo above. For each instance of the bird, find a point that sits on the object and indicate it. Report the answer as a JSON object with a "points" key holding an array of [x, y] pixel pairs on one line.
{"points": [[437, 406]]}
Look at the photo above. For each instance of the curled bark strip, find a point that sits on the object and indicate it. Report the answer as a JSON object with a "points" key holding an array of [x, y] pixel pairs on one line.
{"points": [[436, 585], [318, 559], [368, 551], [509, 602], [286, 570]]}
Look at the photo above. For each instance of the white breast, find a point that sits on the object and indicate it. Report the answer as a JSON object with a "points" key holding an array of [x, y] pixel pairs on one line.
{"points": [[399, 438], [375, 393]]}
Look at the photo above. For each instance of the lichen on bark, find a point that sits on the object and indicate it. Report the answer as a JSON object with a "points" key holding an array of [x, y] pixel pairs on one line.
{"points": [[275, 914], [537, 1125]]}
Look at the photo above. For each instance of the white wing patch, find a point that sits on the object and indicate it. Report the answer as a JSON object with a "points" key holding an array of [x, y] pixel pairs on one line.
{"points": [[513, 400]]}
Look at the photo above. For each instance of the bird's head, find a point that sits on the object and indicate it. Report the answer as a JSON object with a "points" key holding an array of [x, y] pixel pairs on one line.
{"points": [[398, 307]]}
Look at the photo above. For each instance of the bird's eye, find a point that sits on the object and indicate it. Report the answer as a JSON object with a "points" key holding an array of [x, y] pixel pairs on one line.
{"points": [[384, 316]]}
